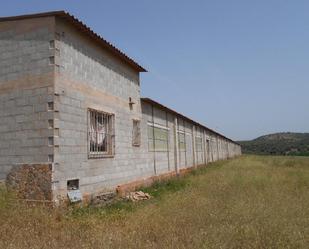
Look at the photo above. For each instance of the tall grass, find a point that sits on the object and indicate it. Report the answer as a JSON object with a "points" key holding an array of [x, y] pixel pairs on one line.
{"points": [[249, 202]]}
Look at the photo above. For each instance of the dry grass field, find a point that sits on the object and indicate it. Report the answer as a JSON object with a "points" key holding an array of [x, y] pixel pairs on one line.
{"points": [[248, 202]]}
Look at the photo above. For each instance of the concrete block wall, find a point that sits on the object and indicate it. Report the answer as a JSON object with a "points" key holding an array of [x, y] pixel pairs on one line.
{"points": [[161, 161], [26, 88], [182, 157], [189, 150], [89, 76], [218, 148], [189, 144], [50, 74], [200, 154]]}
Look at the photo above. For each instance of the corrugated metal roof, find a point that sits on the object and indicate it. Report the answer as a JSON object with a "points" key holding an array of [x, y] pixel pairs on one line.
{"points": [[83, 28], [155, 103]]}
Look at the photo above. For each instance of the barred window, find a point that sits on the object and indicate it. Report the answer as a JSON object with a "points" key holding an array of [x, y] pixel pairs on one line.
{"points": [[199, 144], [101, 139], [136, 133], [157, 138]]}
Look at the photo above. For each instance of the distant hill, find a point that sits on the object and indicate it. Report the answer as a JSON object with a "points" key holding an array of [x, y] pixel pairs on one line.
{"points": [[286, 143]]}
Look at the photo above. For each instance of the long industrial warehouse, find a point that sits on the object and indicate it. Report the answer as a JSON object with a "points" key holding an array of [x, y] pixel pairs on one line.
{"points": [[72, 118]]}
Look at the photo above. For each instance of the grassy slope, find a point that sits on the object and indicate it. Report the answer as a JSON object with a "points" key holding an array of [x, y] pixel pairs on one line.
{"points": [[287, 143], [249, 202]]}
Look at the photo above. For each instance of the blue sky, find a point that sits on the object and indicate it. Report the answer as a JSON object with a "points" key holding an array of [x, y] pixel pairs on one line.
{"points": [[239, 67]]}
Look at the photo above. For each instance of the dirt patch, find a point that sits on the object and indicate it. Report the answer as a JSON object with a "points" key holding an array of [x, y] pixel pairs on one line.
{"points": [[31, 181]]}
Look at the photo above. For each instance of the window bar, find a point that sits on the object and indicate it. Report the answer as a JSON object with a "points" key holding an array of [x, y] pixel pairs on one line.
{"points": [[91, 132], [108, 140], [100, 135]]}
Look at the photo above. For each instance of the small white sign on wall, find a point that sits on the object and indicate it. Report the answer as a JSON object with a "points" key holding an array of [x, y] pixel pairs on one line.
{"points": [[75, 196]]}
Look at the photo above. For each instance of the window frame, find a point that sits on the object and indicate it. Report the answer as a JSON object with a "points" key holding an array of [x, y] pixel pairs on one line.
{"points": [[153, 140], [182, 145], [110, 144], [136, 142], [199, 143]]}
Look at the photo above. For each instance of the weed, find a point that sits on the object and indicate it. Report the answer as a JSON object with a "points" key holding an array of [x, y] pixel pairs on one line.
{"points": [[248, 202]]}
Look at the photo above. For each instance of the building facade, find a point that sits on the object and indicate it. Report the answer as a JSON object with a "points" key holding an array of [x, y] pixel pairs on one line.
{"points": [[71, 114]]}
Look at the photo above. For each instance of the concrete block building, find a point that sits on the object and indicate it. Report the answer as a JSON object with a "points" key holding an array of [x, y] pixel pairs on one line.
{"points": [[72, 117]]}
